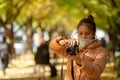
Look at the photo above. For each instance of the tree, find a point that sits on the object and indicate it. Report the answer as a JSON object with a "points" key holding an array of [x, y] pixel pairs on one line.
{"points": [[10, 10], [105, 12], [57, 13]]}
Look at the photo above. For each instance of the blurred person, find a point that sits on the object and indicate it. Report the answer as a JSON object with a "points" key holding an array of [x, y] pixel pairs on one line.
{"points": [[103, 42], [86, 56], [4, 54], [117, 58], [117, 50], [42, 56], [111, 47]]}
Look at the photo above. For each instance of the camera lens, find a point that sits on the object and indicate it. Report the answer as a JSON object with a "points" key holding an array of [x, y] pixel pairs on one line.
{"points": [[72, 50]]}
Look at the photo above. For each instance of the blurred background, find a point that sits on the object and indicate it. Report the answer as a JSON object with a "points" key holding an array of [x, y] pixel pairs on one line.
{"points": [[25, 23]]}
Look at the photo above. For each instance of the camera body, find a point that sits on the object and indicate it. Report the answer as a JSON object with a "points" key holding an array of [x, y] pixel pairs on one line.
{"points": [[72, 50]]}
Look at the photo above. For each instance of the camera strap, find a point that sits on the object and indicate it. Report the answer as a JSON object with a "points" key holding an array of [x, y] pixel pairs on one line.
{"points": [[72, 70], [61, 74]]}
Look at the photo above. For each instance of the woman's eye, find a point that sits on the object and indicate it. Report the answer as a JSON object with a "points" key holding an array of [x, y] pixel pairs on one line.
{"points": [[87, 34], [80, 33]]}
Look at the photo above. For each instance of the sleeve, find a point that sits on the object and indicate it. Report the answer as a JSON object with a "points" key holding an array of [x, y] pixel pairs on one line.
{"points": [[57, 49], [95, 68]]}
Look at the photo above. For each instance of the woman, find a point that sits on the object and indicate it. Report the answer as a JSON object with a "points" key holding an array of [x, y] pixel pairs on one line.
{"points": [[90, 58]]}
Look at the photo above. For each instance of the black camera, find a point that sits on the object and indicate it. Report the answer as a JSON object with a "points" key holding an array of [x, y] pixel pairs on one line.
{"points": [[72, 50]]}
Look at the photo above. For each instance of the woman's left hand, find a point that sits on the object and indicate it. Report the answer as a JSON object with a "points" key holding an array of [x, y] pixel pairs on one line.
{"points": [[76, 58]]}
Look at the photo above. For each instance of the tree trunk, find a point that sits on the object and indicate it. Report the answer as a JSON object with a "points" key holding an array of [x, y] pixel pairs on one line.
{"points": [[29, 40], [10, 38]]}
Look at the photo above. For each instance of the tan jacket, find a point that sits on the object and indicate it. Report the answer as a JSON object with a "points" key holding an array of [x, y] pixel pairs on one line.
{"points": [[93, 59]]}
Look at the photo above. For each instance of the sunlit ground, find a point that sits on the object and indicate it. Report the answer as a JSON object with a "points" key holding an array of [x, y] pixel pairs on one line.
{"points": [[22, 68]]}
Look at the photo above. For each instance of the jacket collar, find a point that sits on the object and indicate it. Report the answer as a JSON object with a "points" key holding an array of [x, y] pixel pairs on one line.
{"points": [[95, 44]]}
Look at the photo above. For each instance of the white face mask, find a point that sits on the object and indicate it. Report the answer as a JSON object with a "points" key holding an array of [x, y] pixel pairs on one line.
{"points": [[84, 42]]}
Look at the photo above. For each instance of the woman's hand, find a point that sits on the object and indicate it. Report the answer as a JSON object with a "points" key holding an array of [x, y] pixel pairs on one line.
{"points": [[61, 41], [72, 42], [69, 42], [76, 58]]}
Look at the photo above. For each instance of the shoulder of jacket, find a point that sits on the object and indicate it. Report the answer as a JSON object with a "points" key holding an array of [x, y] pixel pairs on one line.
{"points": [[101, 50]]}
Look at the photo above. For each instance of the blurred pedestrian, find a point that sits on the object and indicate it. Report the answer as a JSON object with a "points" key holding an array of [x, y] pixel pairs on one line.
{"points": [[103, 42], [117, 58], [4, 55], [42, 56]]}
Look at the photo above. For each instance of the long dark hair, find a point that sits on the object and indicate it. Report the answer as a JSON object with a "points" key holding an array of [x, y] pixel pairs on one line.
{"points": [[88, 22]]}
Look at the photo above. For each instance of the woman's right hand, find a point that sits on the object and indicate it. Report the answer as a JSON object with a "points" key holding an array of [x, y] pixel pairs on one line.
{"points": [[61, 41], [69, 42]]}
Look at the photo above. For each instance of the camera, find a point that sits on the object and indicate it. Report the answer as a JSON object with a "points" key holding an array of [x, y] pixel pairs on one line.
{"points": [[72, 50]]}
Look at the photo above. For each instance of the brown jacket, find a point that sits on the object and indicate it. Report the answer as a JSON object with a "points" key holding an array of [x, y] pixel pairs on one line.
{"points": [[93, 59]]}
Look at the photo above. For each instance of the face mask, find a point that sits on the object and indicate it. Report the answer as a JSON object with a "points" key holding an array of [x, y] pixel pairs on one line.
{"points": [[84, 42]]}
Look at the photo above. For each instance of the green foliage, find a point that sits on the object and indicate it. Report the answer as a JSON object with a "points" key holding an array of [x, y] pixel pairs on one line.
{"points": [[65, 12], [111, 46]]}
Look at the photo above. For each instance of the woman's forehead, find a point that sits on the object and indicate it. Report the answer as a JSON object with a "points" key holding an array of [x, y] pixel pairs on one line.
{"points": [[84, 28]]}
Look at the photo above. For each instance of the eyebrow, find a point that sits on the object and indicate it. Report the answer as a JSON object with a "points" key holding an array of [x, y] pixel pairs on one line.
{"points": [[86, 31]]}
